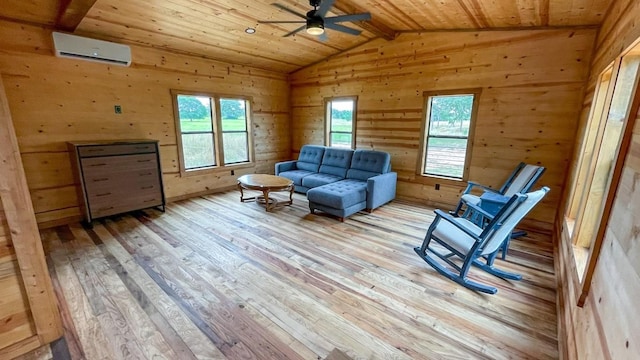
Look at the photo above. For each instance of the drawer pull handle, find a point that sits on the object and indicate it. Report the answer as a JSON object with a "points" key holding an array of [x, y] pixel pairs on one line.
{"points": [[146, 187], [105, 208], [104, 194], [100, 164], [144, 160], [150, 200], [142, 147], [100, 179], [96, 150]]}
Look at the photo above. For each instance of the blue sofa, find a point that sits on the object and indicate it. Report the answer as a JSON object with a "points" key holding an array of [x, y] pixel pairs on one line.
{"points": [[341, 182]]}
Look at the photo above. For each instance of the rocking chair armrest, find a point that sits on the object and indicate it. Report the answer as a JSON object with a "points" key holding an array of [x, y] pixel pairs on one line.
{"points": [[450, 218], [471, 185], [480, 210]]}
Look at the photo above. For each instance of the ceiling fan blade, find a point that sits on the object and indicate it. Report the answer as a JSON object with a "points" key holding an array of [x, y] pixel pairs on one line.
{"points": [[324, 7], [351, 17], [342, 28], [282, 7], [323, 37], [282, 22], [294, 31]]}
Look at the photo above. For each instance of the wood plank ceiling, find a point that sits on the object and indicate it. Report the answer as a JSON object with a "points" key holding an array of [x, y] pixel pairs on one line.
{"points": [[215, 28]]}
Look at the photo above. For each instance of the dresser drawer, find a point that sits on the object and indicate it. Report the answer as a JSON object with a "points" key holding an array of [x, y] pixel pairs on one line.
{"points": [[130, 199], [101, 210], [134, 180], [100, 166], [118, 149]]}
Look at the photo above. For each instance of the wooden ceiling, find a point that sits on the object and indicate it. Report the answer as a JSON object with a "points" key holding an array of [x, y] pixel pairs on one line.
{"points": [[215, 28]]}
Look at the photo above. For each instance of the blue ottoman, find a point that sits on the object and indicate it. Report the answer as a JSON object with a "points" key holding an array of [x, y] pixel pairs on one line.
{"points": [[340, 199]]}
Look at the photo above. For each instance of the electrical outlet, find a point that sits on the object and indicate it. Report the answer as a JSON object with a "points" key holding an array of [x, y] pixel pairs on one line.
{"points": [[437, 186], [117, 109]]}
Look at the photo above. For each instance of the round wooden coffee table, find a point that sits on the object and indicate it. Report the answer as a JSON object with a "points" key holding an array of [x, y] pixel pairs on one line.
{"points": [[266, 184]]}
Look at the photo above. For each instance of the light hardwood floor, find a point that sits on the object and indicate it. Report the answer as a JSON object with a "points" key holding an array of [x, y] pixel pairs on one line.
{"points": [[213, 278]]}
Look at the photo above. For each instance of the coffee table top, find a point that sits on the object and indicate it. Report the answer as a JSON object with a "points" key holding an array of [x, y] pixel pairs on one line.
{"points": [[264, 181]]}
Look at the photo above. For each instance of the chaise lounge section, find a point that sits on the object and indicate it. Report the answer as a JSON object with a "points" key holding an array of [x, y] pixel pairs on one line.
{"points": [[345, 182]]}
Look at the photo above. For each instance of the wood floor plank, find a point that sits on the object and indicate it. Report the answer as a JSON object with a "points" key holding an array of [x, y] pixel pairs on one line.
{"points": [[179, 321], [214, 278]]}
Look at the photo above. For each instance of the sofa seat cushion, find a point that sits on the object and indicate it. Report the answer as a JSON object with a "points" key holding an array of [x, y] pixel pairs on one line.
{"points": [[320, 179], [339, 195], [296, 175]]}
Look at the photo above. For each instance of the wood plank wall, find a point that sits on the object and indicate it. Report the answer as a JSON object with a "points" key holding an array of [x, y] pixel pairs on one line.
{"points": [[532, 83], [15, 316], [608, 326], [28, 309], [56, 100]]}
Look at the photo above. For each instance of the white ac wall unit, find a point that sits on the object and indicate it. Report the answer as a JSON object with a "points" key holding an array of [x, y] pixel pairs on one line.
{"points": [[78, 47]]}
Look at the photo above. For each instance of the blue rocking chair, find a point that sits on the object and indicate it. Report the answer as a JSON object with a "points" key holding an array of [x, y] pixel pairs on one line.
{"points": [[457, 236], [521, 180], [480, 209]]}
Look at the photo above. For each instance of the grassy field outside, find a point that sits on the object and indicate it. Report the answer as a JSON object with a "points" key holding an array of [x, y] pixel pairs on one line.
{"points": [[198, 149], [446, 156]]}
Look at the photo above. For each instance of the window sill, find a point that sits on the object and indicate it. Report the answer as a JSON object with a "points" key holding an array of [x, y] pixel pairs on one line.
{"points": [[217, 169], [434, 179]]}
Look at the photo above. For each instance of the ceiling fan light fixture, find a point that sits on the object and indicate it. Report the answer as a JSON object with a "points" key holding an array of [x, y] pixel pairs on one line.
{"points": [[315, 29]]}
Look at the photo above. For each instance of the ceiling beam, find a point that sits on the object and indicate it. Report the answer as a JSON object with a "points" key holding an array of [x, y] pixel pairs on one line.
{"points": [[374, 26], [72, 12]]}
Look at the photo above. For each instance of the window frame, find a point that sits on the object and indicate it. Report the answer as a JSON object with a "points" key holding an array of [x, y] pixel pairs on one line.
{"points": [[614, 176], [328, 119], [424, 131], [217, 133]]}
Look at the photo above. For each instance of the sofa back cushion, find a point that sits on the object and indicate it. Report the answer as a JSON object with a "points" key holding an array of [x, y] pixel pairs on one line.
{"points": [[310, 157], [368, 163], [336, 161]]}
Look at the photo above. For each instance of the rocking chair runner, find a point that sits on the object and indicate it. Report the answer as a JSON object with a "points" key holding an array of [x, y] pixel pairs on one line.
{"points": [[464, 239]]}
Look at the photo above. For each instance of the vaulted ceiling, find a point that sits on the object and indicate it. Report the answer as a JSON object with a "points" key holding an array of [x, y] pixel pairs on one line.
{"points": [[215, 29]]}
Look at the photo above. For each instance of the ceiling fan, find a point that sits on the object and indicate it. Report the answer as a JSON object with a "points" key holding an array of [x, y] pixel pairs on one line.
{"points": [[315, 21]]}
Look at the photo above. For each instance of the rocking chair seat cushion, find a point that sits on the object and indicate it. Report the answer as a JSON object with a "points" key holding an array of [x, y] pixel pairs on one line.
{"points": [[456, 238]]}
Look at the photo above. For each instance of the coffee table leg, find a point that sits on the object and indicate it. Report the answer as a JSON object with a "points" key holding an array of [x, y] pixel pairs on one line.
{"points": [[267, 207], [291, 195], [241, 194]]}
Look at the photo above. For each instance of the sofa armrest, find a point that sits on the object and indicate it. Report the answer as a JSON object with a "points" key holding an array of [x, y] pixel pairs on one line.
{"points": [[381, 189], [285, 166]]}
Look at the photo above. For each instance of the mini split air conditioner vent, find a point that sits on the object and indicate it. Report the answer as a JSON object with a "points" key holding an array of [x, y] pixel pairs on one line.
{"points": [[77, 47]]}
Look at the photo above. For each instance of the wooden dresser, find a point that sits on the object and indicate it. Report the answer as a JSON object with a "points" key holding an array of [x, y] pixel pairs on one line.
{"points": [[117, 176]]}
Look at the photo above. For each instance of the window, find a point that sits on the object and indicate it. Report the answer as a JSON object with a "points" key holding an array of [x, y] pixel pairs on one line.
{"points": [[213, 130], [606, 137], [341, 122], [448, 126]]}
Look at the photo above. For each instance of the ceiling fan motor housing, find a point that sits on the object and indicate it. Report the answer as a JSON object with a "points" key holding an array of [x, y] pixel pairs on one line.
{"points": [[314, 3], [314, 20]]}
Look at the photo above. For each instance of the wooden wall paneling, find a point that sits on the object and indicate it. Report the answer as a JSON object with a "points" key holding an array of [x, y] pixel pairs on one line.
{"points": [[56, 100], [617, 32], [528, 109], [29, 315], [606, 327], [34, 11]]}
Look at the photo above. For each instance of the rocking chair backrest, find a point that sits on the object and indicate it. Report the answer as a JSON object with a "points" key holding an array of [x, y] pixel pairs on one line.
{"points": [[508, 218], [522, 179]]}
